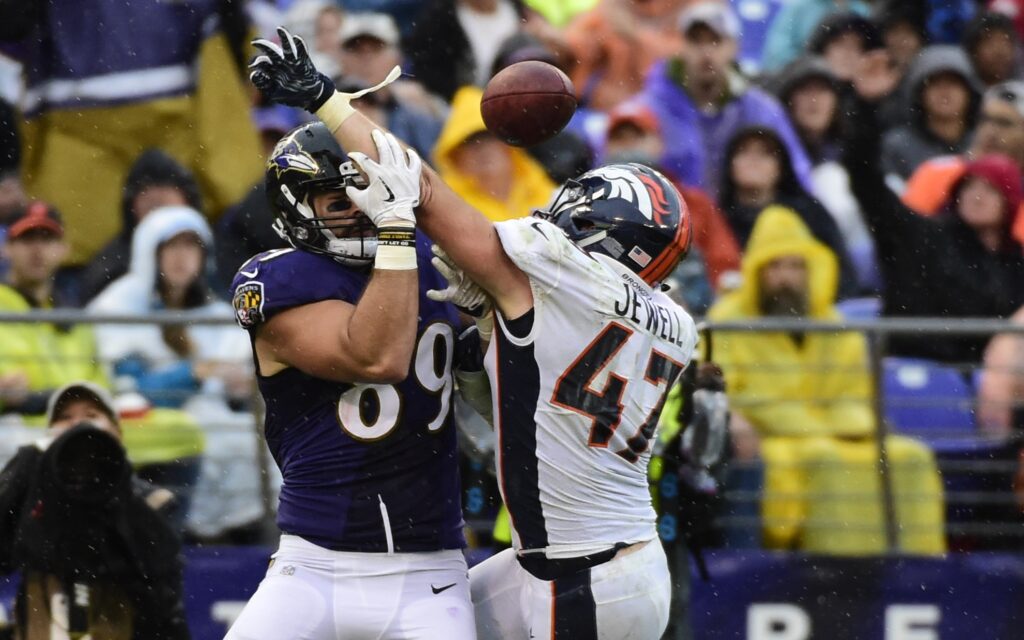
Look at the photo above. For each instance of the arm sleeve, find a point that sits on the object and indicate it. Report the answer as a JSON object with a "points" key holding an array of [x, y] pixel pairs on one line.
{"points": [[889, 221]]}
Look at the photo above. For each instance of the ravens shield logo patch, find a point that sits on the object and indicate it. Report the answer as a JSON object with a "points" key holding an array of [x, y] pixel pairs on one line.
{"points": [[248, 303]]}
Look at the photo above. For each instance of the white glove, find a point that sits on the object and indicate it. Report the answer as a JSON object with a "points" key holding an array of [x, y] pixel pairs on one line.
{"points": [[461, 292], [394, 183]]}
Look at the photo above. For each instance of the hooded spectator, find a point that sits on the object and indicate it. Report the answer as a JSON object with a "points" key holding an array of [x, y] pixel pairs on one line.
{"points": [[758, 174], [809, 397], [841, 39], [155, 180], [795, 22], [965, 263], [502, 182], [1000, 130], [992, 44], [902, 26], [834, 399], [169, 266], [699, 98], [942, 100], [810, 94]]}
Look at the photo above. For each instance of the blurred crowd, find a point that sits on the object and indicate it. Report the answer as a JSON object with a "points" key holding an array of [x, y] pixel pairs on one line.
{"points": [[840, 158]]}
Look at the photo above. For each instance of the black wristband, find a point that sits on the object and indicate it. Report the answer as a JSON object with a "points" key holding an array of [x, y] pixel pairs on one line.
{"points": [[327, 90], [396, 237]]}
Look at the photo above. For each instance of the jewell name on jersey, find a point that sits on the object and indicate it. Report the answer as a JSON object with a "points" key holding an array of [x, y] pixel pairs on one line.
{"points": [[637, 306]]}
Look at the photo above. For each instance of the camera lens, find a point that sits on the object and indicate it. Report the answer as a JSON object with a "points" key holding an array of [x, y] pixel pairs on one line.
{"points": [[90, 464]]}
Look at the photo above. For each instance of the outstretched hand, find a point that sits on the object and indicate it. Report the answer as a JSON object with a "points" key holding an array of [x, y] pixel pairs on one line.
{"points": [[462, 292], [285, 74]]}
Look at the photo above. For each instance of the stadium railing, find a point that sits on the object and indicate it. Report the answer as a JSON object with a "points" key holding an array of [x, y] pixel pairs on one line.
{"points": [[932, 402], [935, 403]]}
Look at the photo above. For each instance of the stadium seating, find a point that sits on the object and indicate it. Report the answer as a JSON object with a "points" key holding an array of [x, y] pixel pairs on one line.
{"points": [[927, 399]]}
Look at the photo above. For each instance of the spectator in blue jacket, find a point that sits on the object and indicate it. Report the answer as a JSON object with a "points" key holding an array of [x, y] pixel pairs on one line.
{"points": [[701, 101]]}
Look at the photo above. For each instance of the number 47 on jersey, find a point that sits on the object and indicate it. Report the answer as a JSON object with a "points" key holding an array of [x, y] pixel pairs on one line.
{"points": [[604, 408]]}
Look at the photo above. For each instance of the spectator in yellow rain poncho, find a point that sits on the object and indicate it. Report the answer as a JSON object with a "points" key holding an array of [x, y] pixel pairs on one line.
{"points": [[808, 398]]}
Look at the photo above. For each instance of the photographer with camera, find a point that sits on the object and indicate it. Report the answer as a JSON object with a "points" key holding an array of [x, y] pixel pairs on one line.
{"points": [[96, 554]]}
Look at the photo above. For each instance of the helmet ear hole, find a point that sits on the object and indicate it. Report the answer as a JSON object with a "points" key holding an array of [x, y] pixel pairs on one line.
{"points": [[582, 223], [309, 161]]}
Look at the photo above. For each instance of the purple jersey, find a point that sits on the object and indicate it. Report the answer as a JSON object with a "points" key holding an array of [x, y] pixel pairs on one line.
{"points": [[366, 467]]}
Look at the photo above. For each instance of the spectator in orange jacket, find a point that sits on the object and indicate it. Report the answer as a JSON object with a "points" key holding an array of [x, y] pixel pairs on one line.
{"points": [[1000, 131]]}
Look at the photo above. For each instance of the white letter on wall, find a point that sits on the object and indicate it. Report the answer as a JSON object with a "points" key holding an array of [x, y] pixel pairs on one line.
{"points": [[912, 622], [777, 622]]}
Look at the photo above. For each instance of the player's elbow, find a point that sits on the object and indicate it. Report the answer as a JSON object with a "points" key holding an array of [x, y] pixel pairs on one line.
{"points": [[386, 371]]}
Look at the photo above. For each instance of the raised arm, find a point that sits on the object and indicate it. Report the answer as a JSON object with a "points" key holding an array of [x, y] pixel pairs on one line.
{"points": [[286, 75], [886, 217]]}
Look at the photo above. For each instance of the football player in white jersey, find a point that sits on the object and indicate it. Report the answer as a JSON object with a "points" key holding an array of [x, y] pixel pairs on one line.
{"points": [[584, 351]]}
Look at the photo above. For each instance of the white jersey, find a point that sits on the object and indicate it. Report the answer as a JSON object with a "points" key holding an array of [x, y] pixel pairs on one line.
{"points": [[577, 399]]}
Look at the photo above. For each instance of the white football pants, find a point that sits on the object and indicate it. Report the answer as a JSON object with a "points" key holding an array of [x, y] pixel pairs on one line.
{"points": [[626, 597], [312, 593]]}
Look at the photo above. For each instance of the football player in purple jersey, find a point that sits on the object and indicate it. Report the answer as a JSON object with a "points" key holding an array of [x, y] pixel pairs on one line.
{"points": [[354, 363]]}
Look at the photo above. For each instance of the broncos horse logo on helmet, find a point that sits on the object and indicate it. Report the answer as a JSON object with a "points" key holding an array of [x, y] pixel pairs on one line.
{"points": [[308, 161], [628, 212]]}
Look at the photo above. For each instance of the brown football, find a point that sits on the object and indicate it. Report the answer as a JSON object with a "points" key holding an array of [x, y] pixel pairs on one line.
{"points": [[527, 103]]}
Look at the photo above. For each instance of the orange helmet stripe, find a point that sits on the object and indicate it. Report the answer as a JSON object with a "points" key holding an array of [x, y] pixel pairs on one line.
{"points": [[669, 257]]}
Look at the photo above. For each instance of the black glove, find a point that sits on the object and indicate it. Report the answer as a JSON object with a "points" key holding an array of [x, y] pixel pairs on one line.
{"points": [[286, 75]]}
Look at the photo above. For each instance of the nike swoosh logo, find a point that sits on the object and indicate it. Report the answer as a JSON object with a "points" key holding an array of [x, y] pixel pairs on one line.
{"points": [[391, 194], [536, 225], [438, 590]]}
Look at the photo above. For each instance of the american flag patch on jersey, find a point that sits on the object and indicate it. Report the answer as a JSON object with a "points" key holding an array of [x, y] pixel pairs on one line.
{"points": [[640, 256]]}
